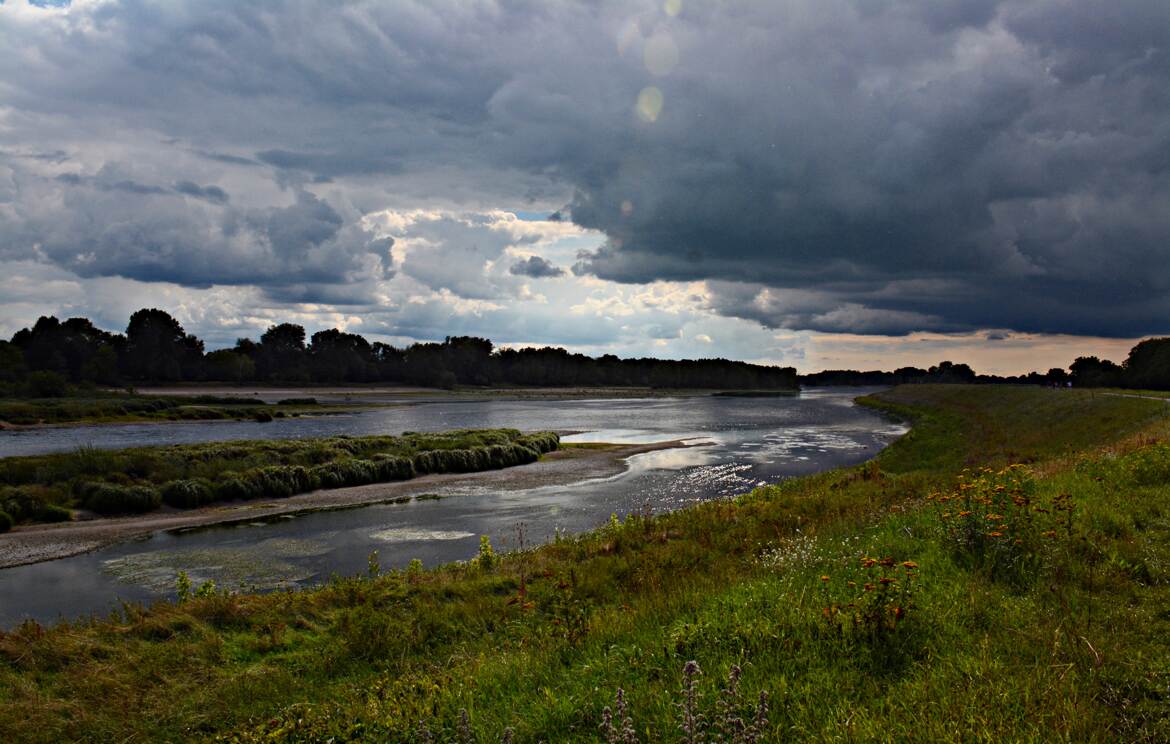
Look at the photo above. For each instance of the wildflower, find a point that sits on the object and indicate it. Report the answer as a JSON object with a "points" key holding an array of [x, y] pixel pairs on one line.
{"points": [[898, 612], [868, 587], [964, 513], [868, 562], [1049, 534], [909, 565], [886, 580], [994, 517], [887, 562], [995, 534]]}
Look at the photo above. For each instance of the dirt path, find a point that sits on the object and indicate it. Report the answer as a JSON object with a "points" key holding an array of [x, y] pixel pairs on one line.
{"points": [[35, 543]]}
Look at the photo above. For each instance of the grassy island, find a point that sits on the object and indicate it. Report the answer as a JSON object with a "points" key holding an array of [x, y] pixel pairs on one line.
{"points": [[45, 488], [1000, 573]]}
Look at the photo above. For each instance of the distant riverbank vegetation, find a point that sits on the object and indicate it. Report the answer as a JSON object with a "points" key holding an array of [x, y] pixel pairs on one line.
{"points": [[53, 358], [45, 488], [40, 361], [103, 407], [1146, 368]]}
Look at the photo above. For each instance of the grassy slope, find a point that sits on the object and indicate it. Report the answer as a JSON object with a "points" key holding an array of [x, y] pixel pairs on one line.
{"points": [[1072, 645]]}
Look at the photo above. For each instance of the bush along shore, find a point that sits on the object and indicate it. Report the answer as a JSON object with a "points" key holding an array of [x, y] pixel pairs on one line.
{"points": [[45, 488], [1000, 573]]}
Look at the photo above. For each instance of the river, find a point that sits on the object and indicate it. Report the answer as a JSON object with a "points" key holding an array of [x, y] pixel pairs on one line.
{"points": [[743, 443]]}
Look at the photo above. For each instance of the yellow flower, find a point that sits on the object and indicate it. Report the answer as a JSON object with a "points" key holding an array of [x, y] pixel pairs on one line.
{"points": [[824, 578]]}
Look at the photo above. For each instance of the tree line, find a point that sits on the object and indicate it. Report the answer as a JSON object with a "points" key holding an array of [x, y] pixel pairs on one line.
{"points": [[40, 361], [1147, 368]]}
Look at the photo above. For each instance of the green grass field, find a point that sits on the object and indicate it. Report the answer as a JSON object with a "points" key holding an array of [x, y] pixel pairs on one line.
{"points": [[1000, 573]]}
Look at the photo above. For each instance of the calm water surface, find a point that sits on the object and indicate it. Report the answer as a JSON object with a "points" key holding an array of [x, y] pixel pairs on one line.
{"points": [[744, 442]]}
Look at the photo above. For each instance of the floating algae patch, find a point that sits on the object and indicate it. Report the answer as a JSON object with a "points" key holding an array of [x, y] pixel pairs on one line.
{"points": [[254, 567], [407, 534], [294, 547]]}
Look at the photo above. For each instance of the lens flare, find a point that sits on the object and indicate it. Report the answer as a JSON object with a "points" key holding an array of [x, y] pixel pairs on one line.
{"points": [[649, 104], [660, 54]]}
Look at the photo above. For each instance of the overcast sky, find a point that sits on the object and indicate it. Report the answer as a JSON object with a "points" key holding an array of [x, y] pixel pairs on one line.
{"points": [[822, 183]]}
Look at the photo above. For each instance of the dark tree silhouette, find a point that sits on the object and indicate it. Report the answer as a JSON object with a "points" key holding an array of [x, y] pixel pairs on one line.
{"points": [[1148, 365], [157, 348]]}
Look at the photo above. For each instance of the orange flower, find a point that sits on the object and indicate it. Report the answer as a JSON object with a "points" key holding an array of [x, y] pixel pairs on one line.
{"points": [[824, 578], [995, 534], [886, 580], [909, 565]]}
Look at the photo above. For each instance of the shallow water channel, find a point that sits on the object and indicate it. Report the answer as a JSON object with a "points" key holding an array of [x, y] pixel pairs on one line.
{"points": [[743, 443]]}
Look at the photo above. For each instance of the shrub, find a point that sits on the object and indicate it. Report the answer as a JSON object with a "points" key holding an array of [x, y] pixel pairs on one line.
{"points": [[541, 442], [393, 468], [352, 472], [297, 402], [107, 498], [262, 417], [53, 513], [871, 600], [271, 482], [20, 503], [45, 384], [5, 521], [187, 494], [993, 523]]}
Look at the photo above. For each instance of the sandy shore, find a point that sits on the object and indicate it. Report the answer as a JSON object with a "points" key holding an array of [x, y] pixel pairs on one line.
{"points": [[35, 543]]}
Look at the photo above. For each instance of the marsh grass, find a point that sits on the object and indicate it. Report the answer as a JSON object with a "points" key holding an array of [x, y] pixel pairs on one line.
{"points": [[114, 407], [41, 488], [539, 644]]}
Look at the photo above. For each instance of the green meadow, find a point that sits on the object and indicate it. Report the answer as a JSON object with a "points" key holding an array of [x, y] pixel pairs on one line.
{"points": [[1001, 573]]}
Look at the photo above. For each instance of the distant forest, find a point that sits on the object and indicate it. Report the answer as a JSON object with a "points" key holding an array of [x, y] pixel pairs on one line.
{"points": [[41, 361], [1146, 368]]}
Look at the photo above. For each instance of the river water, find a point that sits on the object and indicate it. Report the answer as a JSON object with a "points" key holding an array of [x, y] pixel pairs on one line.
{"points": [[743, 443]]}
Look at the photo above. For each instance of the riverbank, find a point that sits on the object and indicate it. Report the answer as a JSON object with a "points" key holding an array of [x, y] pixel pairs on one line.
{"points": [[114, 407], [391, 394], [43, 542]]}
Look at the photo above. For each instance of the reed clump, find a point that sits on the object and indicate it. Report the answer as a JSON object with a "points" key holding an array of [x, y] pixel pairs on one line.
{"points": [[44, 488]]}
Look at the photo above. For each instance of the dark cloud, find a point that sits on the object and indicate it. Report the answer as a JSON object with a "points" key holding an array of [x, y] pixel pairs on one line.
{"points": [[226, 158], [536, 267], [834, 165], [211, 193]]}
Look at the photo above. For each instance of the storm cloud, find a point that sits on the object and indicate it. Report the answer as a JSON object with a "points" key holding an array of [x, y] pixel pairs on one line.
{"points": [[828, 165], [536, 267]]}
